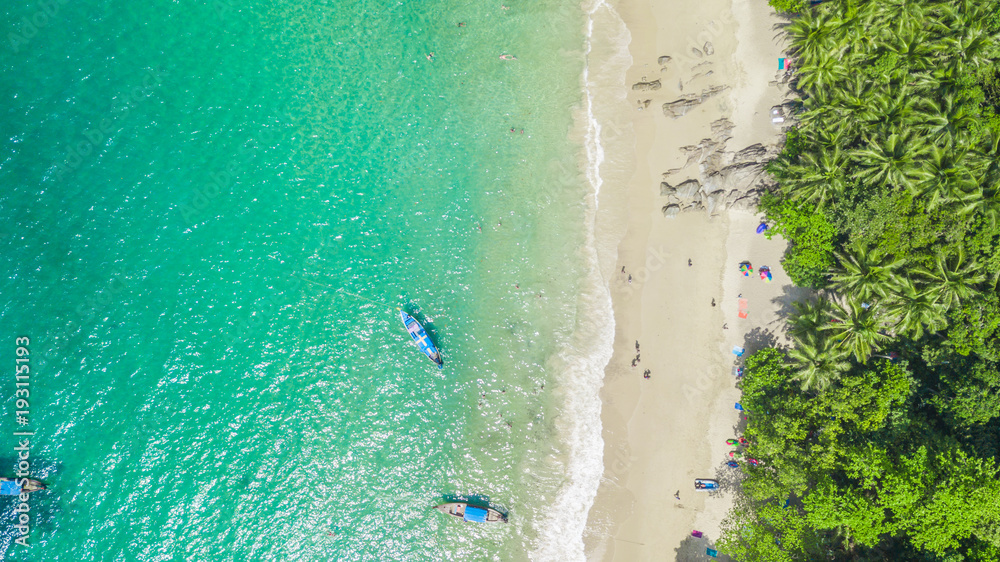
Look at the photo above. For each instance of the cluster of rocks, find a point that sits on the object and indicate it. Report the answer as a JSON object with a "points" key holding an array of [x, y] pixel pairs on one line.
{"points": [[725, 179], [682, 105]]}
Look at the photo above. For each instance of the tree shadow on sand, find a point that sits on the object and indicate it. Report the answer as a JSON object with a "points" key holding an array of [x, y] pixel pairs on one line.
{"points": [[730, 479], [694, 549], [791, 295], [757, 339]]}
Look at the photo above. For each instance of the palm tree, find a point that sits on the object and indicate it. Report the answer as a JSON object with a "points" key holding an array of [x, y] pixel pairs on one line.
{"points": [[855, 94], [813, 35], [903, 13], [889, 111], [915, 309], [818, 177], [863, 276], [809, 317], [817, 361], [912, 45], [970, 45], [821, 72], [952, 281], [857, 329], [987, 201], [829, 137], [890, 162], [948, 178], [943, 118], [889, 13]]}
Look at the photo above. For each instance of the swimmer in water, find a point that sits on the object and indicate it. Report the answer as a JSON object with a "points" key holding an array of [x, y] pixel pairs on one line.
{"points": [[430, 56], [508, 57]]}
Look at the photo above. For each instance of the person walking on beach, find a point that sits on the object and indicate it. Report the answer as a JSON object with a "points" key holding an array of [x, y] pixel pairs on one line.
{"points": [[630, 279]]}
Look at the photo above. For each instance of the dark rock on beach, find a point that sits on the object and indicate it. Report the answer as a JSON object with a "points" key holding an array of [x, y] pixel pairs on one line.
{"points": [[647, 86]]}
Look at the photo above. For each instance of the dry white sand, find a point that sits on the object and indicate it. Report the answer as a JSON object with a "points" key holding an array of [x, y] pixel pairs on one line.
{"points": [[661, 433]]}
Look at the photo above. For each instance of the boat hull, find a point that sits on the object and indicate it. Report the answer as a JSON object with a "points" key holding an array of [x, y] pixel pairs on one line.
{"points": [[705, 484], [421, 338], [458, 511], [17, 486]]}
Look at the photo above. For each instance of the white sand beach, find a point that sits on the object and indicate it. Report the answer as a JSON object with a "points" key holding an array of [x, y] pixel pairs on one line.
{"points": [[702, 82]]}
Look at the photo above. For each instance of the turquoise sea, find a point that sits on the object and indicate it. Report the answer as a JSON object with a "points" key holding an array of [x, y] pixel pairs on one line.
{"points": [[192, 194]]}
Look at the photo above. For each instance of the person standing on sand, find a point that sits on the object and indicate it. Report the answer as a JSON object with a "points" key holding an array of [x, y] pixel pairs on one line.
{"points": [[630, 279]]}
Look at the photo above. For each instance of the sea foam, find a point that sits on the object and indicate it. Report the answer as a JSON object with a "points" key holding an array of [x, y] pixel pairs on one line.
{"points": [[589, 349]]}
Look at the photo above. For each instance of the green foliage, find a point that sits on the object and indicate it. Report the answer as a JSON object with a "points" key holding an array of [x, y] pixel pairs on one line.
{"points": [[970, 392], [768, 531], [888, 192], [975, 327], [810, 235], [982, 244], [960, 499], [788, 6], [794, 144], [830, 507], [884, 68], [989, 83], [894, 224]]}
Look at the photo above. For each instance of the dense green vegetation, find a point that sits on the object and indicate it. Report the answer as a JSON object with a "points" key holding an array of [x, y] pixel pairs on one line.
{"points": [[878, 432]]}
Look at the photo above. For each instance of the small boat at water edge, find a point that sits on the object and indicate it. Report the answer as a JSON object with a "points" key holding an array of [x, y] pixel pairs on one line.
{"points": [[421, 338], [17, 486], [471, 513], [705, 484]]}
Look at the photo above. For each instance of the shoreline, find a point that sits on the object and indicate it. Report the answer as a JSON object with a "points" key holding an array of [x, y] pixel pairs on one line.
{"points": [[661, 433]]}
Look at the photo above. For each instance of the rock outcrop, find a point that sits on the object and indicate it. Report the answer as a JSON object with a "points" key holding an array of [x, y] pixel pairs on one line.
{"points": [[680, 107], [647, 86], [722, 179]]}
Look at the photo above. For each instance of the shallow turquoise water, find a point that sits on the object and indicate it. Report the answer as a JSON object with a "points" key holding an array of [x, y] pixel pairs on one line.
{"points": [[188, 185]]}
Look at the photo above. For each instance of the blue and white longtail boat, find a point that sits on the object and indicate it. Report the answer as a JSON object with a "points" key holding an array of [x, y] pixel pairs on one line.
{"points": [[421, 338]]}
